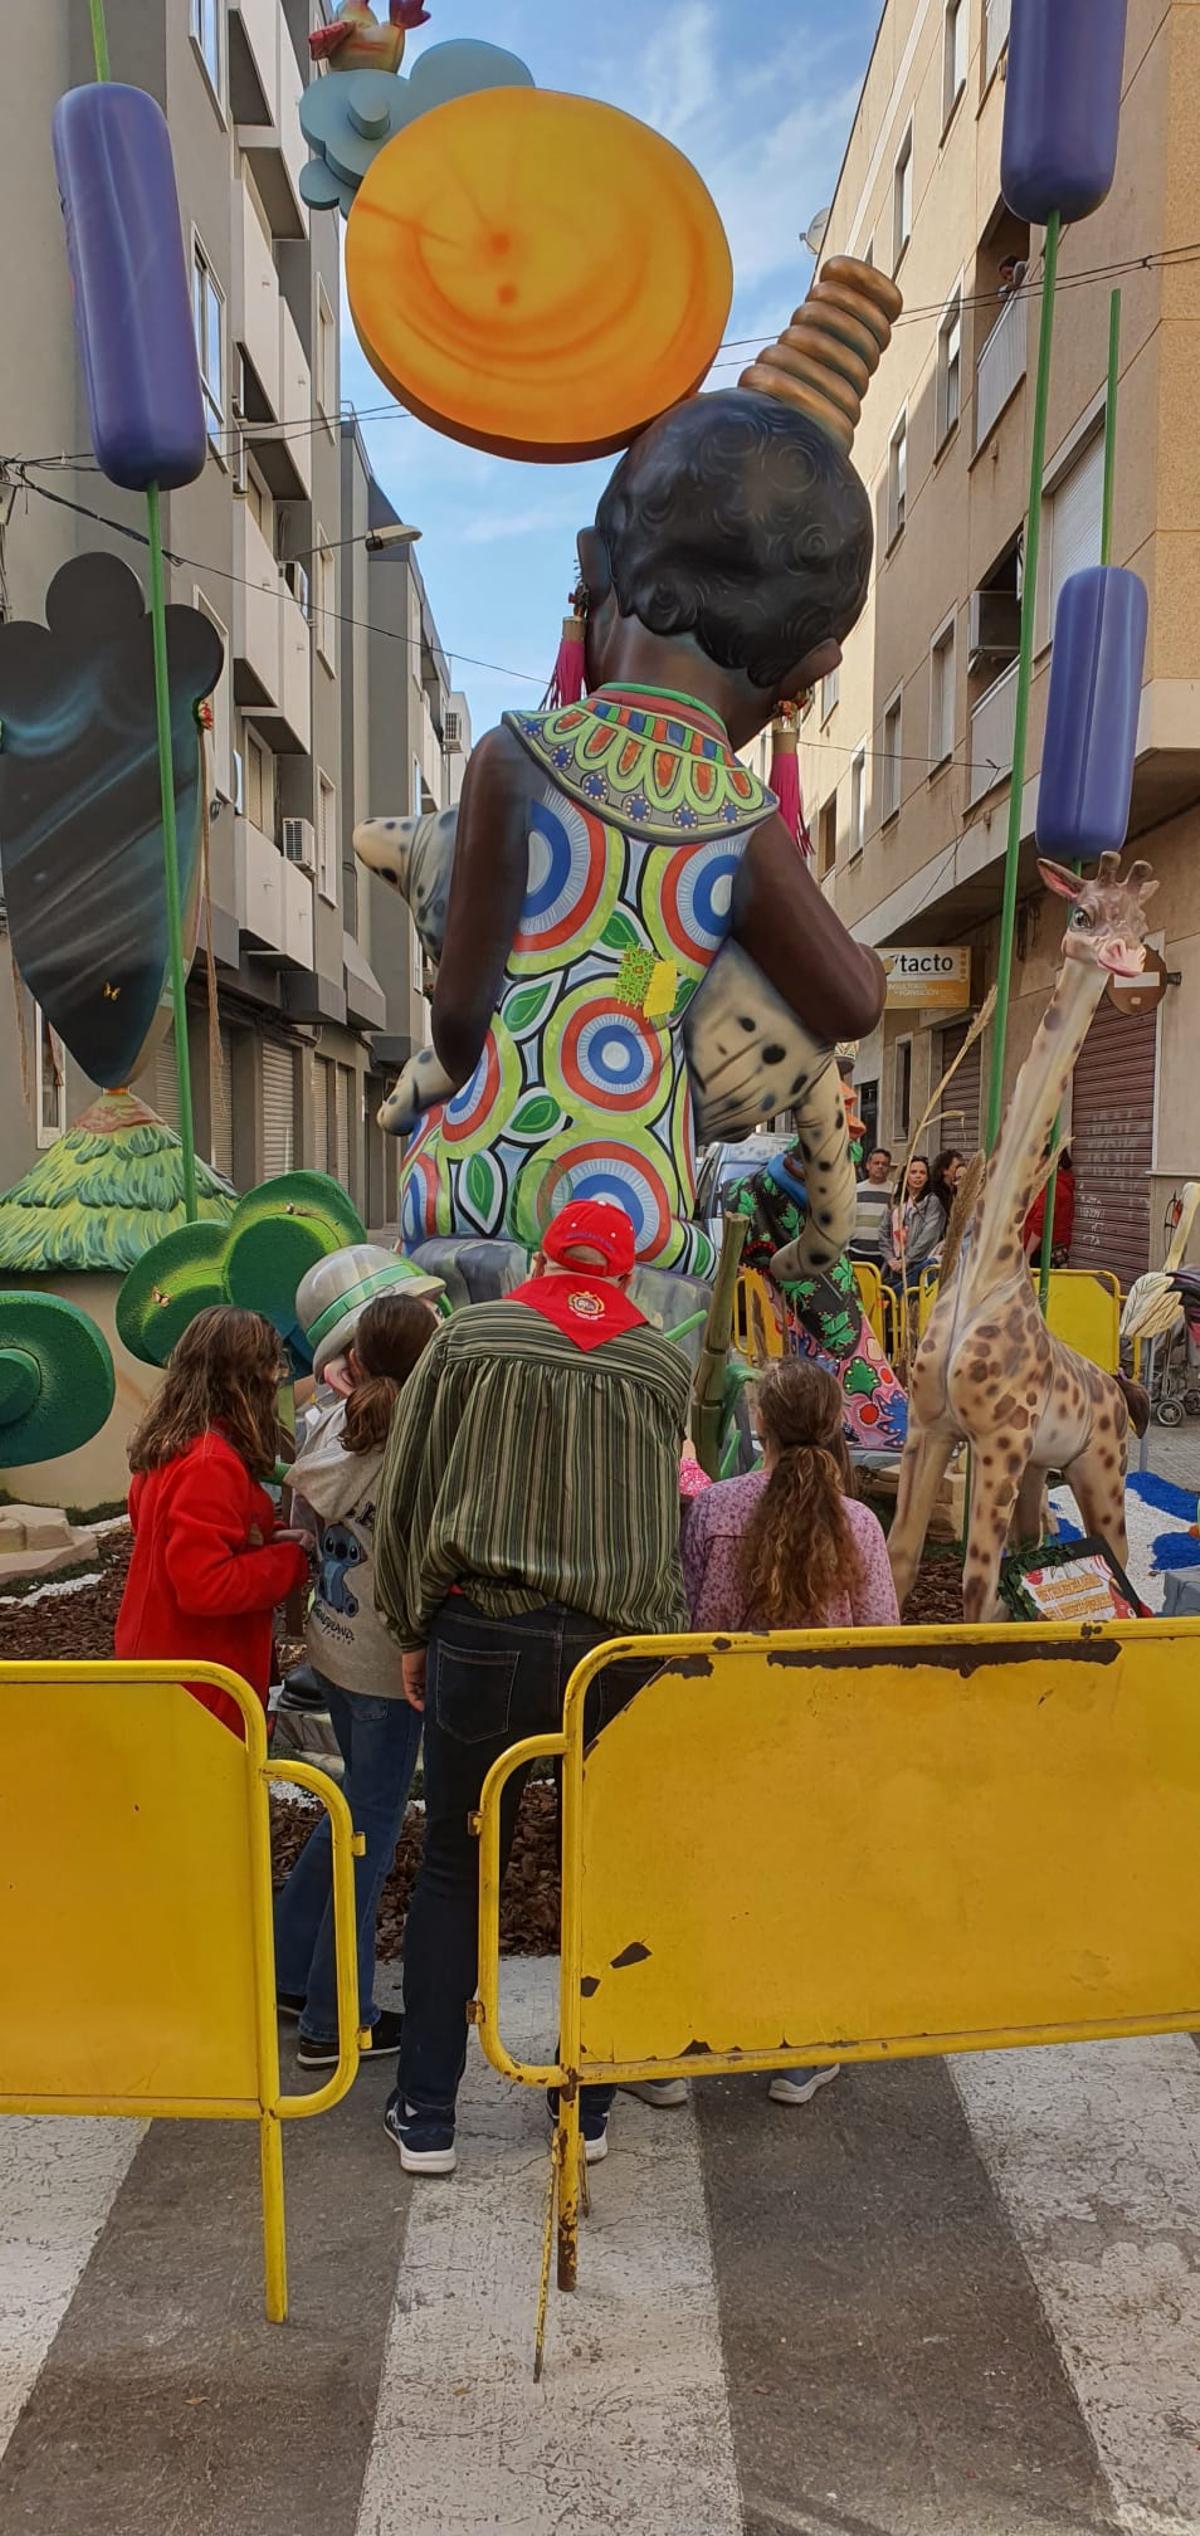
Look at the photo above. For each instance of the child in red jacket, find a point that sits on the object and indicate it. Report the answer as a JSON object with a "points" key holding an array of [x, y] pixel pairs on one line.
{"points": [[208, 1566]]}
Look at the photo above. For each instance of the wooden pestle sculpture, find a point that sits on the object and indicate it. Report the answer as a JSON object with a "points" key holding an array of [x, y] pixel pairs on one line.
{"points": [[988, 1373]]}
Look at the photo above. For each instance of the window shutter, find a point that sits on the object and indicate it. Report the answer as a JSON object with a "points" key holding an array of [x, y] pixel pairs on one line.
{"points": [[222, 1114], [164, 1095], [279, 1109], [320, 1114], [1075, 521], [344, 1081]]}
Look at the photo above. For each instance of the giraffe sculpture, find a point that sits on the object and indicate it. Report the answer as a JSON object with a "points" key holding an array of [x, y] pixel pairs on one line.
{"points": [[988, 1372]]}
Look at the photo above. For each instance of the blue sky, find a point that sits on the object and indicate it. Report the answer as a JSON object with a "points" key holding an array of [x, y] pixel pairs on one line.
{"points": [[760, 95]]}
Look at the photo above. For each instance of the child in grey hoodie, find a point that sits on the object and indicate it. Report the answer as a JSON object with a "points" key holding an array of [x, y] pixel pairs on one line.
{"points": [[360, 1669]]}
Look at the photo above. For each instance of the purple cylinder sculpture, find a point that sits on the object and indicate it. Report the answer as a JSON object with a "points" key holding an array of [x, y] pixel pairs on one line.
{"points": [[133, 310], [1092, 715], [1062, 107]]}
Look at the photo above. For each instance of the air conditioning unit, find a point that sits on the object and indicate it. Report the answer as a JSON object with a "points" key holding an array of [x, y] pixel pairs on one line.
{"points": [[297, 582], [995, 626], [453, 727], [300, 845]]}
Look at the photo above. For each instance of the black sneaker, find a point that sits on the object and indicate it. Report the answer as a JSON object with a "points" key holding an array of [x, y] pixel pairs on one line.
{"points": [[290, 2003], [315, 2051], [426, 2144]]}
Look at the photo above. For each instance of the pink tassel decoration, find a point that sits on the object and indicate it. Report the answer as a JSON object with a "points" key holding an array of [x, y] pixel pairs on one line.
{"points": [[785, 777], [570, 669]]}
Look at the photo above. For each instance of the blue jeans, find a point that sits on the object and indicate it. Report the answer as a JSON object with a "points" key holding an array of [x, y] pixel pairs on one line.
{"points": [[378, 1740], [490, 1684]]}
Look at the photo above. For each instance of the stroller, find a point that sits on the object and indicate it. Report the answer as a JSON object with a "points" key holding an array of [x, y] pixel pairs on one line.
{"points": [[1175, 1385]]}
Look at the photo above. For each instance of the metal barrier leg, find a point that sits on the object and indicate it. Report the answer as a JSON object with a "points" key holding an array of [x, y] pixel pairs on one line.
{"points": [[270, 2143], [569, 2151]]}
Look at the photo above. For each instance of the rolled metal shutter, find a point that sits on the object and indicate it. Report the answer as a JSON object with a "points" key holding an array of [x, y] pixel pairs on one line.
{"points": [[345, 1080], [279, 1108], [222, 1118], [320, 1160], [962, 1105], [1112, 1142], [163, 1089]]}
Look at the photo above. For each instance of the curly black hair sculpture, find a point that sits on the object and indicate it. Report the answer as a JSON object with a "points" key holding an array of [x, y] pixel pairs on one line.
{"points": [[738, 520]]}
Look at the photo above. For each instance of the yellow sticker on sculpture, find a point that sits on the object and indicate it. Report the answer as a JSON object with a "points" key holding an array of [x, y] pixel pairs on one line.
{"points": [[659, 998], [537, 275]]}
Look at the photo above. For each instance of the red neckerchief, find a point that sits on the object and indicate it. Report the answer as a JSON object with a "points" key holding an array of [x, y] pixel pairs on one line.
{"points": [[588, 1310]]}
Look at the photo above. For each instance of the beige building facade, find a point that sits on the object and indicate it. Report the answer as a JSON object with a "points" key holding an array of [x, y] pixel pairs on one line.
{"points": [[334, 686], [907, 751]]}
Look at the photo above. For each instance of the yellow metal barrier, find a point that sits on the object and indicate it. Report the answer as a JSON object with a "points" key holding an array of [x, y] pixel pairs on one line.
{"points": [[875, 1298], [1001, 1847], [135, 1848], [1084, 1309], [758, 1333]]}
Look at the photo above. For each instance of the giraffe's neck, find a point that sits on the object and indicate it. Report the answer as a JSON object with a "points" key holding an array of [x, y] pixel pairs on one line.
{"points": [[1016, 1166]]}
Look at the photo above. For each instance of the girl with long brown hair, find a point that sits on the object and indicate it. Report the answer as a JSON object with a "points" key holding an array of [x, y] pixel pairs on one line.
{"points": [[787, 1547], [360, 1670], [208, 1565]]}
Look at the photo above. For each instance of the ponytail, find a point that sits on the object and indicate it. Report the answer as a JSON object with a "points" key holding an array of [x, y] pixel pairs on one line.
{"points": [[798, 1553], [393, 1333]]}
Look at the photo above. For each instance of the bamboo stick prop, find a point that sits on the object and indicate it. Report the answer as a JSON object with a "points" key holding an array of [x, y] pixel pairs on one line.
{"points": [[166, 766], [1106, 530], [708, 1390]]}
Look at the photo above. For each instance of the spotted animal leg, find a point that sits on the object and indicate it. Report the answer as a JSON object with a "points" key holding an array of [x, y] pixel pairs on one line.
{"points": [[1097, 1480], [994, 1494], [922, 1470]]}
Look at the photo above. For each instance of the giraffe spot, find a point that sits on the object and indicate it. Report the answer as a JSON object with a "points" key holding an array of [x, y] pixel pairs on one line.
{"points": [[1014, 1461], [774, 1055], [743, 1023], [1053, 1020]]}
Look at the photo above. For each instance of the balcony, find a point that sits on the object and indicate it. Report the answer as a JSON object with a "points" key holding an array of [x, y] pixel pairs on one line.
{"points": [[272, 646], [261, 334], [283, 441], [254, 61], [274, 899], [996, 15], [993, 728], [1001, 365]]}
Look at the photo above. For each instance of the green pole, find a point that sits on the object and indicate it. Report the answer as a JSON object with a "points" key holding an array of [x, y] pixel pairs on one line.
{"points": [[1033, 540], [1106, 527], [166, 769], [100, 40], [166, 776]]}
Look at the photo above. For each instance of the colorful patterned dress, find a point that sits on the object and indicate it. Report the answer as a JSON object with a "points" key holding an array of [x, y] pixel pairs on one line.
{"points": [[635, 836], [829, 1309]]}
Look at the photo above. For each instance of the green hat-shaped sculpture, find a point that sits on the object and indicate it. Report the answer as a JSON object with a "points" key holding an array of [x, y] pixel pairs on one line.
{"points": [[56, 1379], [275, 1235]]}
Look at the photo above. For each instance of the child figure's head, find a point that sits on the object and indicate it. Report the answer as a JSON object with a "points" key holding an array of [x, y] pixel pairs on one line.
{"points": [[392, 1333], [224, 1372], [735, 529]]}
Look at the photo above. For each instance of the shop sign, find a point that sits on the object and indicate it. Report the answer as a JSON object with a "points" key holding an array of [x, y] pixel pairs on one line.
{"points": [[928, 979]]}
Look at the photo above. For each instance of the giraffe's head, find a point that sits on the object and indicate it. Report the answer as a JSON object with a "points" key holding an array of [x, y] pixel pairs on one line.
{"points": [[1107, 928]]}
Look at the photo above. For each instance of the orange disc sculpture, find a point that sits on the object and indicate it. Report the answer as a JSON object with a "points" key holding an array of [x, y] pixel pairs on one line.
{"points": [[537, 275]]}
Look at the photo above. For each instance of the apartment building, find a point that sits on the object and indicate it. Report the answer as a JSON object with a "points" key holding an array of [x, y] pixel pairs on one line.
{"points": [[907, 750], [319, 712]]}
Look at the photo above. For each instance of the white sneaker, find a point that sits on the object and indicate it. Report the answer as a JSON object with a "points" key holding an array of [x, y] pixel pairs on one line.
{"points": [[799, 2086], [665, 2093]]}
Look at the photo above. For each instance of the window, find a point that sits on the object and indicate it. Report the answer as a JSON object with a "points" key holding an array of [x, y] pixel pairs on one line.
{"points": [[949, 368], [50, 1080], [206, 36], [827, 837], [260, 503], [954, 73], [897, 502], [902, 198], [890, 760], [830, 689], [941, 696], [1072, 532], [327, 397], [858, 802], [220, 739], [324, 590], [260, 785], [326, 839], [902, 1091], [208, 317]]}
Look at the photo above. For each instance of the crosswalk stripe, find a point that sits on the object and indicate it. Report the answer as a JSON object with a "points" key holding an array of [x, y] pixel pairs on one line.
{"points": [[58, 2183], [1095, 2150], [629, 2430]]}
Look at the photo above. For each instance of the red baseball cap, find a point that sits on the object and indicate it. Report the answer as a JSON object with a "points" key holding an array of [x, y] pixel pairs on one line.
{"points": [[591, 1233]]}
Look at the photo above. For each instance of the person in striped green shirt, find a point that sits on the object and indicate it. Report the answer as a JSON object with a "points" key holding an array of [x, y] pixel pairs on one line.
{"points": [[528, 1511]]}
